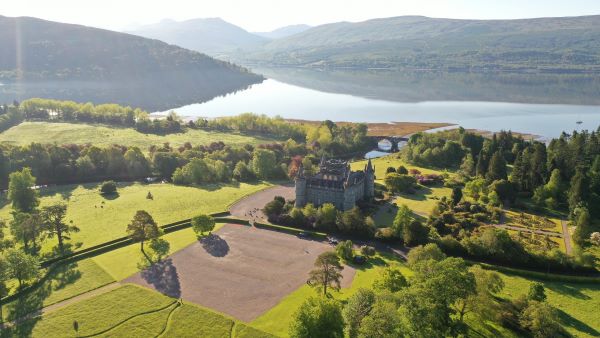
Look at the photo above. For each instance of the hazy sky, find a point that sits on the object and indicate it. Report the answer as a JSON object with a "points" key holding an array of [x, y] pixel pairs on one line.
{"points": [[263, 15]]}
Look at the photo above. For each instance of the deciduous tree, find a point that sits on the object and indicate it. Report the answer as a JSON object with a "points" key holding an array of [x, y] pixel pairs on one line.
{"points": [[318, 317], [21, 191], [202, 224]]}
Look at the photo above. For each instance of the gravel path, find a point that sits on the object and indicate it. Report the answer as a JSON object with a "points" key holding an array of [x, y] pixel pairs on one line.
{"points": [[250, 207], [567, 237], [239, 270]]}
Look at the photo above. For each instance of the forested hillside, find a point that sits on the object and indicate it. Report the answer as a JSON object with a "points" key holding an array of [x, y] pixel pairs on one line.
{"points": [[545, 44], [36, 50]]}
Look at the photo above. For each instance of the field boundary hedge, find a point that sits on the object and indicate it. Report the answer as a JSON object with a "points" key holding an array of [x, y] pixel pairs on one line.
{"points": [[551, 277], [293, 231]]}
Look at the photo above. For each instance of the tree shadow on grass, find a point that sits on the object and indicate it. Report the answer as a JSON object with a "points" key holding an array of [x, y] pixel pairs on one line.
{"points": [[419, 195], [164, 278], [215, 245], [569, 290], [568, 320]]}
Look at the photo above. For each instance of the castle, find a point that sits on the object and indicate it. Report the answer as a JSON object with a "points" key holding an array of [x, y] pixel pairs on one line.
{"points": [[335, 183]]}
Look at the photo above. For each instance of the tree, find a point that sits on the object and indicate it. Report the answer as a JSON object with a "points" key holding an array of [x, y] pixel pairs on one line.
{"points": [[390, 279], [136, 163], [53, 218], [449, 283], [505, 190], [317, 318], [242, 173], [476, 188], [424, 253], [536, 292], [203, 223], [542, 320], [264, 163], [415, 233], [273, 208], [583, 226], [21, 193], [402, 220], [595, 238], [467, 167], [327, 272], [108, 188], [381, 322], [457, 195], [482, 302], [21, 266], [143, 228], [344, 250], [358, 307], [4, 278], [497, 168], [26, 228], [579, 190], [327, 215], [399, 183]]}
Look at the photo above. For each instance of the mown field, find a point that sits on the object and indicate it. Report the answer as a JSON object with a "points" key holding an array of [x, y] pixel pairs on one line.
{"points": [[132, 311], [100, 135], [102, 219]]}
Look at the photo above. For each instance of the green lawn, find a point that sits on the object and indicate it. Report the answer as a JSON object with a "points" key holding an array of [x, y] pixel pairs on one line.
{"points": [[382, 163], [65, 282], [577, 303], [101, 135], [133, 311], [102, 219]]}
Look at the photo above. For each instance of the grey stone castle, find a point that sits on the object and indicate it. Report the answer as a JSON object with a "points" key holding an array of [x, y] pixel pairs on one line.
{"points": [[335, 183]]}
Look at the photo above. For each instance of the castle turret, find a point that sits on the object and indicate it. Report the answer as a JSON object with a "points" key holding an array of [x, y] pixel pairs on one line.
{"points": [[300, 188], [369, 180]]}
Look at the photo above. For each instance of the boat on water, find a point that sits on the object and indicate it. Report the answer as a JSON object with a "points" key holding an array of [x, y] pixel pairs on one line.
{"points": [[579, 122]]}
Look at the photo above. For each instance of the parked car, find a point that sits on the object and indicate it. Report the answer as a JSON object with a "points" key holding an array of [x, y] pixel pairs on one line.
{"points": [[303, 234], [332, 240], [358, 259]]}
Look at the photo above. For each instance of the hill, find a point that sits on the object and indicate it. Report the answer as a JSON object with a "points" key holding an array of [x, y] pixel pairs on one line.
{"points": [[547, 44], [284, 31], [211, 36], [63, 54]]}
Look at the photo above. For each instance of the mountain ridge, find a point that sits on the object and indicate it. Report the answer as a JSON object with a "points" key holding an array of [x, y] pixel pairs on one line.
{"points": [[417, 42]]}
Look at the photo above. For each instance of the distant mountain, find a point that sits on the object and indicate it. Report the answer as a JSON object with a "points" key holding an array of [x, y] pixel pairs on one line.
{"points": [[211, 36], [546, 44], [284, 32], [35, 51]]}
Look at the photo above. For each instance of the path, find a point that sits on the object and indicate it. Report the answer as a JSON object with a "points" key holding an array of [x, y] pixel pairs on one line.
{"points": [[61, 304], [566, 236], [536, 231], [250, 207]]}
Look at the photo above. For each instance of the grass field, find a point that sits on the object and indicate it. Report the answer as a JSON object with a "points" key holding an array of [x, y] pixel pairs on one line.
{"points": [[101, 219], [65, 282], [577, 303], [101, 135], [132, 311], [382, 163]]}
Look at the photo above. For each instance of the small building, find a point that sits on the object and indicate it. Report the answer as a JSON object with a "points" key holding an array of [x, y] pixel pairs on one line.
{"points": [[335, 183], [385, 145]]}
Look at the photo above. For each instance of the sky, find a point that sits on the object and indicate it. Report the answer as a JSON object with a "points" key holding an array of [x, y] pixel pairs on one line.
{"points": [[266, 15]]}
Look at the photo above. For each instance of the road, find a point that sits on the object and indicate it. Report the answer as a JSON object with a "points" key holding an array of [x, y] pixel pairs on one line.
{"points": [[566, 236]]}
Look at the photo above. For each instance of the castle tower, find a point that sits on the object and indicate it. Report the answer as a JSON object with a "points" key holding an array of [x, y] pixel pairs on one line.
{"points": [[300, 188], [369, 180]]}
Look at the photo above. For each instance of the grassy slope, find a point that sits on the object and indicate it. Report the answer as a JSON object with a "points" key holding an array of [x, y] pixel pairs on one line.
{"points": [[132, 311], [65, 282], [577, 303], [102, 219], [100, 135], [421, 203]]}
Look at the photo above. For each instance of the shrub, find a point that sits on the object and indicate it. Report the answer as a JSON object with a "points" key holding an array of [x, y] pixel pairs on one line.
{"points": [[108, 188], [344, 250], [385, 234], [367, 251]]}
